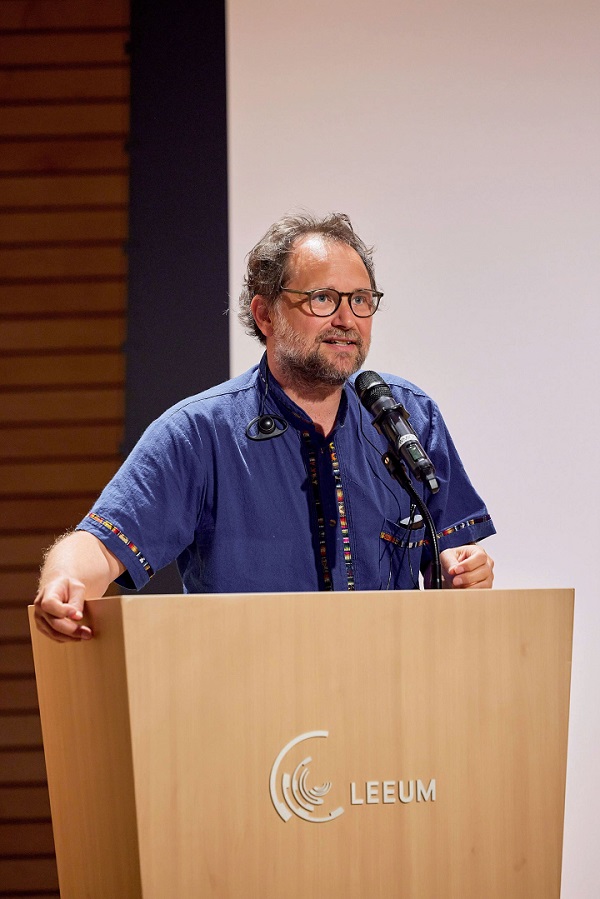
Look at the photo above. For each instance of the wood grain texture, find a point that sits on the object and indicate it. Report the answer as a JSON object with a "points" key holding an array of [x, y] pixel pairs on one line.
{"points": [[468, 688], [64, 167]]}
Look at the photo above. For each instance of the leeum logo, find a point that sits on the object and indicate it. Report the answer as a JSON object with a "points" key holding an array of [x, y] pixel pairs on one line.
{"points": [[290, 791]]}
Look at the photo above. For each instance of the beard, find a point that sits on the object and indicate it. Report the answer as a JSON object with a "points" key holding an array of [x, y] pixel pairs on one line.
{"points": [[306, 366]]}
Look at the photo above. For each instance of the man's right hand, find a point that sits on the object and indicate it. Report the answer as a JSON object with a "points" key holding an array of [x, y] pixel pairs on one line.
{"points": [[58, 610], [77, 567]]}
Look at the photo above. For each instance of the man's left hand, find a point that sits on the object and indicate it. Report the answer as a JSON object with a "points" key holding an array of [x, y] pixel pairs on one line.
{"points": [[467, 567]]}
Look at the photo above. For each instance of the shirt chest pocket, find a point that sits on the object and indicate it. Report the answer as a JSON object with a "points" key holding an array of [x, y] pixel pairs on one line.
{"points": [[400, 549]]}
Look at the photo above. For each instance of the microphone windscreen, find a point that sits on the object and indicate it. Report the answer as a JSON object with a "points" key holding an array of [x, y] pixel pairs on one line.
{"points": [[370, 387]]}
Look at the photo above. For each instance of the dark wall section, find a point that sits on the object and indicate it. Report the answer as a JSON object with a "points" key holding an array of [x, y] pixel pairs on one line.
{"points": [[177, 336], [178, 340]]}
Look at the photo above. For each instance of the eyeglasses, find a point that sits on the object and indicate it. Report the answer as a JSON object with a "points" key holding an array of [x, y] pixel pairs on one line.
{"points": [[324, 301]]}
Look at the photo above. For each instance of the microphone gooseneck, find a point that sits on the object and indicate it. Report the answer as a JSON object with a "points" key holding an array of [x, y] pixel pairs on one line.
{"points": [[391, 420]]}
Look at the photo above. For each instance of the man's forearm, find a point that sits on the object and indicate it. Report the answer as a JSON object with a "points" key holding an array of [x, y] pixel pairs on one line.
{"points": [[81, 556]]}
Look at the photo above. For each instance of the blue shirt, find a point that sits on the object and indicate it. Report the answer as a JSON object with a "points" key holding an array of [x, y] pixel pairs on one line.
{"points": [[299, 512]]}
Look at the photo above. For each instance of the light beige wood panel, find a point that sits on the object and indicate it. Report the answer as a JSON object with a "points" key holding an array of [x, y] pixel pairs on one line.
{"points": [[84, 190], [62, 406], [111, 714], [25, 84], [63, 333], [63, 261], [68, 118], [467, 688], [19, 49], [64, 226], [88, 297], [25, 14]]}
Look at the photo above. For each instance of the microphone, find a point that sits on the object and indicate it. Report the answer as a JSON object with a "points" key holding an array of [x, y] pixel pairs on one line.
{"points": [[391, 420]]}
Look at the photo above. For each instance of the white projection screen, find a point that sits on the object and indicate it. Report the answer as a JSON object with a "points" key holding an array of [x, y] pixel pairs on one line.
{"points": [[463, 139]]}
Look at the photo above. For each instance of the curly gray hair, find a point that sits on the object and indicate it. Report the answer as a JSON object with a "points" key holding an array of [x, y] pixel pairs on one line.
{"points": [[268, 261]]}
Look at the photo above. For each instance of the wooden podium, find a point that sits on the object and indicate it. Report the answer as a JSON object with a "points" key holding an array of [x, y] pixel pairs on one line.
{"points": [[298, 746]]}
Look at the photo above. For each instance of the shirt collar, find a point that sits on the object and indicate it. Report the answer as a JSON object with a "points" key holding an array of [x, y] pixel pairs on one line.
{"points": [[293, 414]]}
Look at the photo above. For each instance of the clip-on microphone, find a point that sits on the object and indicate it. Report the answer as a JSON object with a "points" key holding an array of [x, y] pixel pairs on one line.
{"points": [[267, 426]]}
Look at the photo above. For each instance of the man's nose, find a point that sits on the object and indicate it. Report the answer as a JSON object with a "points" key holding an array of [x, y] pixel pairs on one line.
{"points": [[343, 317]]}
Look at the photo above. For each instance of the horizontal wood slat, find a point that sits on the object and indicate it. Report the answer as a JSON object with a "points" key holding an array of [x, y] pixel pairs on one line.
{"points": [[22, 550], [44, 514], [62, 405], [58, 477], [23, 765], [14, 625], [68, 118], [23, 49], [92, 296], [64, 191], [57, 226], [28, 874], [33, 894], [26, 839], [24, 803], [69, 333], [28, 371], [18, 85], [18, 694], [64, 120], [20, 730], [62, 262], [102, 155], [50, 14], [16, 658]]}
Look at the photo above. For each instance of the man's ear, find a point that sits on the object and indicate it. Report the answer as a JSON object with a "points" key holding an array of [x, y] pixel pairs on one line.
{"points": [[261, 310]]}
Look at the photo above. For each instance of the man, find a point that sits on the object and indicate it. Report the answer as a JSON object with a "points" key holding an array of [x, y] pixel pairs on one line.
{"points": [[273, 481]]}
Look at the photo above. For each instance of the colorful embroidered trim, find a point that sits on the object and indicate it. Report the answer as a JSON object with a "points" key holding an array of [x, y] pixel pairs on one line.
{"points": [[314, 479], [445, 533], [342, 512], [134, 549], [464, 524], [385, 536]]}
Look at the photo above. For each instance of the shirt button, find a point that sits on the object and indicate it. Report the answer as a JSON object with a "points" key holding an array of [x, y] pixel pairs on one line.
{"points": [[332, 522]]}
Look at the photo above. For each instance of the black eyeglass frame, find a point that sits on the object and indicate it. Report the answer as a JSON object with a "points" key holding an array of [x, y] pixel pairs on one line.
{"points": [[377, 295]]}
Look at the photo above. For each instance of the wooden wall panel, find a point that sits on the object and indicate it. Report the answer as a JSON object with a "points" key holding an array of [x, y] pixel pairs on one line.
{"points": [[64, 167], [61, 48], [98, 296], [104, 154], [33, 191], [64, 226], [100, 84], [56, 14], [100, 369]]}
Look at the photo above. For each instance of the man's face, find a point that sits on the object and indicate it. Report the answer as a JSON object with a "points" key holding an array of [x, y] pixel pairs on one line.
{"points": [[308, 349]]}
